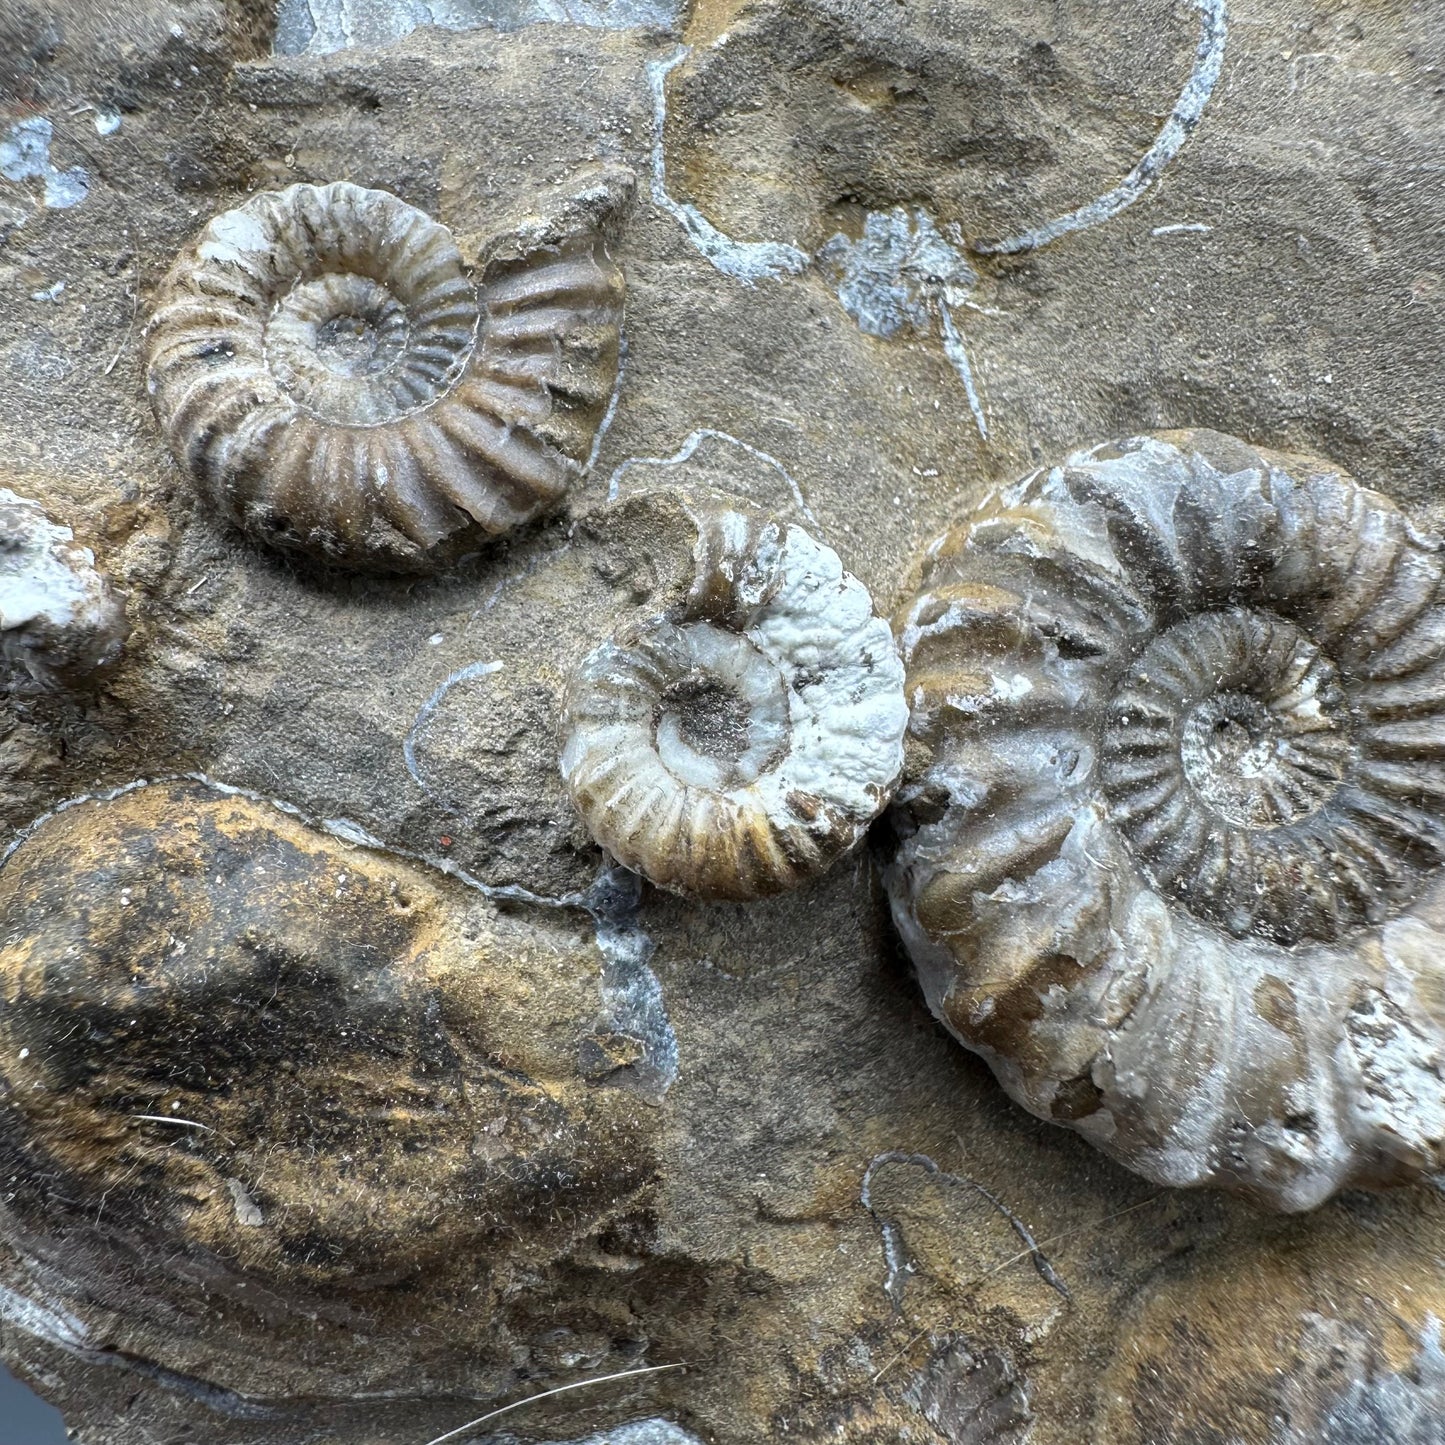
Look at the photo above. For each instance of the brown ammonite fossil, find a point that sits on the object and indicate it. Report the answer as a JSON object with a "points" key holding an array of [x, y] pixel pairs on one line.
{"points": [[1169, 845], [333, 380], [735, 743]]}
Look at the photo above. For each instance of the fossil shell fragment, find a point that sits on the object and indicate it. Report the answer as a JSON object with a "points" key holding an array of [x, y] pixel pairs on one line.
{"points": [[244, 1065], [330, 377], [1169, 848], [735, 744], [60, 622]]}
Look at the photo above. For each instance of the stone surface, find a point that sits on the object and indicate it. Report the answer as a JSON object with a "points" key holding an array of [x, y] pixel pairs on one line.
{"points": [[851, 1234], [310, 1079]]}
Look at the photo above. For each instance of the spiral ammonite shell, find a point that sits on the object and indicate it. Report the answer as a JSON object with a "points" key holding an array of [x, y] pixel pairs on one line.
{"points": [[735, 745], [1169, 848], [330, 377]]}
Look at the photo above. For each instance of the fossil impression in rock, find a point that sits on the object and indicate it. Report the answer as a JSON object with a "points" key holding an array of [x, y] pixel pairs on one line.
{"points": [[330, 377], [734, 744], [1169, 846], [268, 1097], [60, 622]]}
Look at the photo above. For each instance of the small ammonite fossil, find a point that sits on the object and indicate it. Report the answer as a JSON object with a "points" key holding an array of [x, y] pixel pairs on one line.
{"points": [[61, 624], [738, 742], [332, 379], [1169, 847]]}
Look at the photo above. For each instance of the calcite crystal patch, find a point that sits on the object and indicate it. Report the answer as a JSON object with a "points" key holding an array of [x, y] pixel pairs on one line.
{"points": [[62, 625]]}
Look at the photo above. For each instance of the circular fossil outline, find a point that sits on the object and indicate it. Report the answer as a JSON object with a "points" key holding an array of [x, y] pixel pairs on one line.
{"points": [[1068, 920], [734, 746], [330, 377]]}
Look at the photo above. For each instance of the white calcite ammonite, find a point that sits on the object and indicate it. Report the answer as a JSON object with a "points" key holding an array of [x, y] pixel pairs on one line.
{"points": [[1169, 847], [734, 745], [330, 376]]}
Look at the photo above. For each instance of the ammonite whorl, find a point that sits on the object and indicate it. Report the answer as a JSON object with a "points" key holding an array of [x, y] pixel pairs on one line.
{"points": [[326, 371], [737, 743], [1170, 841]]}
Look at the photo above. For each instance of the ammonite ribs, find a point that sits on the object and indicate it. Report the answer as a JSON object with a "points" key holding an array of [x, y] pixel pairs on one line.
{"points": [[1170, 857], [330, 377], [735, 746]]}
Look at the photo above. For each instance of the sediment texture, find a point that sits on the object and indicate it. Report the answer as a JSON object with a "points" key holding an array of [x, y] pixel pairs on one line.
{"points": [[830, 1234]]}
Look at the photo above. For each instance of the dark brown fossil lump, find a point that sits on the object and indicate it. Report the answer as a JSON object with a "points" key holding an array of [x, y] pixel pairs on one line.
{"points": [[311, 1081], [331, 378], [1170, 845]]}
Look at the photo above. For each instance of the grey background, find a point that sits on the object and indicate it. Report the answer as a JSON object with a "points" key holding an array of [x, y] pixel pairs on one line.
{"points": [[25, 1419]]}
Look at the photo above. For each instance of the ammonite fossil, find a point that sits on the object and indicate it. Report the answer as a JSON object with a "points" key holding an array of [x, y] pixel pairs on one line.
{"points": [[1169, 844], [328, 374], [735, 744], [60, 623]]}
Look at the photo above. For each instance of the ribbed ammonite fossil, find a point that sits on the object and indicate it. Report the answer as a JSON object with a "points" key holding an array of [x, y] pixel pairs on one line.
{"points": [[735, 744], [331, 378], [1169, 842]]}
